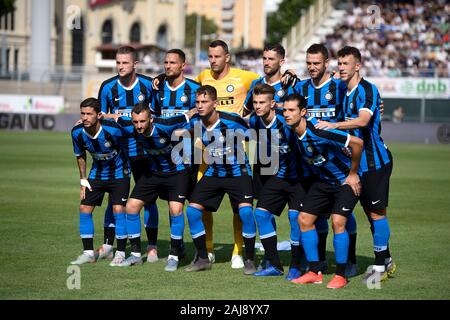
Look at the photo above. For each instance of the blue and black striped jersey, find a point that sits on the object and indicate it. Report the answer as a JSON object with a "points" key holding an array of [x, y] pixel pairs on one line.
{"points": [[278, 138], [365, 97], [280, 93], [168, 101], [325, 101], [115, 98], [224, 145], [322, 150], [109, 162], [159, 145]]}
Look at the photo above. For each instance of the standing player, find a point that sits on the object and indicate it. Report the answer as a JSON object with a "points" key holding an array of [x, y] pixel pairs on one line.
{"points": [[228, 171], [118, 95], [109, 173], [166, 177], [336, 190], [324, 97], [362, 114], [176, 94], [232, 86], [273, 60], [279, 180]]}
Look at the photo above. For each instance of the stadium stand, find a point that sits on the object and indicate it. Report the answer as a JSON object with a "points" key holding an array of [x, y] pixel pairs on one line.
{"points": [[411, 38]]}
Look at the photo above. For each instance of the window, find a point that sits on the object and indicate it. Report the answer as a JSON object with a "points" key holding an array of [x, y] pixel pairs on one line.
{"points": [[16, 61], [162, 37], [78, 44], [7, 60], [5, 21], [135, 33], [107, 32]]}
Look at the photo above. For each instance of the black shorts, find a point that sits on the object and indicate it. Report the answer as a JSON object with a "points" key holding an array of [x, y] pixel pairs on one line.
{"points": [[259, 181], [277, 192], [193, 172], [118, 192], [139, 167], [323, 199], [174, 186], [307, 182], [209, 191], [375, 188]]}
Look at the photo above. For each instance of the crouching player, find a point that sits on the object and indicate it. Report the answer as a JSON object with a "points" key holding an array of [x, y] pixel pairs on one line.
{"points": [[228, 171], [110, 173], [336, 189], [165, 176], [275, 181]]}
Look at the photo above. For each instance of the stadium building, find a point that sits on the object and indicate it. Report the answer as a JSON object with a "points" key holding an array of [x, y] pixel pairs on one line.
{"points": [[87, 33]]}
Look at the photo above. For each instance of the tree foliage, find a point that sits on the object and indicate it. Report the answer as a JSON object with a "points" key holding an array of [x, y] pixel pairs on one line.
{"points": [[208, 27], [280, 22], [6, 6]]}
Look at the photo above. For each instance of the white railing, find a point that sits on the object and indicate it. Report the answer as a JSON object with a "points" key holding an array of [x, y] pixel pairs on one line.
{"points": [[306, 26]]}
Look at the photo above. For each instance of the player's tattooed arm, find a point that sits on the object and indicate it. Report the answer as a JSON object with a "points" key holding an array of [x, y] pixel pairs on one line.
{"points": [[156, 81], [381, 107], [289, 78], [84, 183], [356, 144]]}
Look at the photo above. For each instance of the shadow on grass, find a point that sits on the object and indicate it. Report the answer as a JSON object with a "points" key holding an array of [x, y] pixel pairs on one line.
{"points": [[223, 252]]}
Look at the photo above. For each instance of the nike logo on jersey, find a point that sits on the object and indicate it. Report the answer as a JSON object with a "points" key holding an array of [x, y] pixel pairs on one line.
{"points": [[306, 98], [248, 197], [375, 202], [345, 209], [181, 197], [162, 98], [117, 99], [124, 199]]}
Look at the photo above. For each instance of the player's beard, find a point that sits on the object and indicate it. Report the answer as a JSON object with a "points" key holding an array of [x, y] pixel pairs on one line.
{"points": [[319, 75], [271, 71], [147, 131], [172, 76]]}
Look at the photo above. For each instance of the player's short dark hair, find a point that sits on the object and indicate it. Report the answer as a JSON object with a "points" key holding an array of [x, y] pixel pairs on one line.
{"points": [[141, 107], [348, 50], [128, 50], [179, 52], [301, 101], [318, 48], [91, 103], [219, 43], [264, 88], [207, 90], [278, 48]]}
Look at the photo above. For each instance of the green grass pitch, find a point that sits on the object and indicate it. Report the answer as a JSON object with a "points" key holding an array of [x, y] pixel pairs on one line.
{"points": [[39, 193]]}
